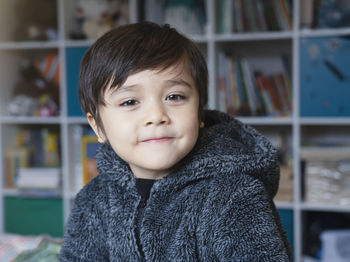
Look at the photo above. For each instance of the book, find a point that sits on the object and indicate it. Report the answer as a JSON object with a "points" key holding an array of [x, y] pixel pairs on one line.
{"points": [[267, 98], [84, 146], [270, 16], [286, 14], [260, 16], [285, 188], [252, 99], [225, 16], [222, 81], [38, 178], [250, 16], [306, 13], [239, 23], [89, 145], [15, 158]]}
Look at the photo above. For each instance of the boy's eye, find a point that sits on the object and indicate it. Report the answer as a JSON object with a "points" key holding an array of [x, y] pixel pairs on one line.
{"points": [[175, 97], [130, 102]]}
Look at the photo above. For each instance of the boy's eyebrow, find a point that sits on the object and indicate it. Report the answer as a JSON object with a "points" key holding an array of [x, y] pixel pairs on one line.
{"points": [[174, 82], [123, 88], [169, 83]]}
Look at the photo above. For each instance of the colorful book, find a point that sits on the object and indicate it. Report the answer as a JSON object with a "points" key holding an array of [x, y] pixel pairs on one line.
{"points": [[89, 145]]}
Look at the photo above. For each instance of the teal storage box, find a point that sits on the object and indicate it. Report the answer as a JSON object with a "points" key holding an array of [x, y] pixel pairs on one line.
{"points": [[34, 216], [73, 58], [287, 223]]}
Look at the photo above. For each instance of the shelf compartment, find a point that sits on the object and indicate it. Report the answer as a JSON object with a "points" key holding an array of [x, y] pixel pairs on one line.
{"points": [[316, 222], [325, 165], [90, 19], [29, 145], [188, 17], [34, 20], [254, 83], [30, 82], [324, 17]]}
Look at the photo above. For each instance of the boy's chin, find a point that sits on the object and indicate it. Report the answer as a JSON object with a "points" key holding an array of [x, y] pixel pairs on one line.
{"points": [[154, 169]]}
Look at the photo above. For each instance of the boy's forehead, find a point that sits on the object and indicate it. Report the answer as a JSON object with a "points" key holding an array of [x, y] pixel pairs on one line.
{"points": [[171, 75]]}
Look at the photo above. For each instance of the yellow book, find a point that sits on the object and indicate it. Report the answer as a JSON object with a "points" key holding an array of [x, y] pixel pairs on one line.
{"points": [[89, 146]]}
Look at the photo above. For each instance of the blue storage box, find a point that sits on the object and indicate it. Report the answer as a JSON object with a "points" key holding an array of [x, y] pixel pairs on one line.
{"points": [[325, 77]]}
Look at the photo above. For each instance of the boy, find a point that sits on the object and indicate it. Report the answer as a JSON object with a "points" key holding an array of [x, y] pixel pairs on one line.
{"points": [[176, 182]]}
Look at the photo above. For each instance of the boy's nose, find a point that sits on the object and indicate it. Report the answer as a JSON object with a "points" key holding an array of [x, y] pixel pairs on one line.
{"points": [[156, 115]]}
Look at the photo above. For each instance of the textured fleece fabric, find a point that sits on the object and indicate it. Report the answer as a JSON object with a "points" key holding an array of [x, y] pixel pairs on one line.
{"points": [[216, 205]]}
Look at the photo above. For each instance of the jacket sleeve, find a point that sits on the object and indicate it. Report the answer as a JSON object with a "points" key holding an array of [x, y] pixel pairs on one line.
{"points": [[85, 235], [242, 224]]}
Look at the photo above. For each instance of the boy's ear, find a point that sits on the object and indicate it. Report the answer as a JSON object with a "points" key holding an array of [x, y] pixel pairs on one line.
{"points": [[101, 138]]}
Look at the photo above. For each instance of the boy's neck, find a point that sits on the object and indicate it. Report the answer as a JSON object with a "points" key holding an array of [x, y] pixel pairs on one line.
{"points": [[150, 174]]}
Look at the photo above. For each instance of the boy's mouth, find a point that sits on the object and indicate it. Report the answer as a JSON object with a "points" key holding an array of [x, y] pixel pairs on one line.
{"points": [[157, 140]]}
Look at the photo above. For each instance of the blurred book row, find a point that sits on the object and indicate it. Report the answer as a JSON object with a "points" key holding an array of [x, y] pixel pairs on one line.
{"points": [[253, 86], [253, 16], [33, 164]]}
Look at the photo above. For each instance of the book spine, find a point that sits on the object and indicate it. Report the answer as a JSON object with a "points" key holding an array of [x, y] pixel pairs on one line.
{"points": [[88, 148], [267, 101], [286, 13], [221, 81], [260, 16], [252, 99]]}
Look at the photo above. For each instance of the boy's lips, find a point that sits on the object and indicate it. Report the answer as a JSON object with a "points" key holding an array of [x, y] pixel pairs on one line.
{"points": [[157, 139]]}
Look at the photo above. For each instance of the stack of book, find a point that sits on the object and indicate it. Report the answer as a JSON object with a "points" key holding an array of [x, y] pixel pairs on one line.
{"points": [[252, 86], [327, 174]]}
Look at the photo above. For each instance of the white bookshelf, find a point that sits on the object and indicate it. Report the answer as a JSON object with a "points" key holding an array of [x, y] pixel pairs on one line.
{"points": [[211, 43]]}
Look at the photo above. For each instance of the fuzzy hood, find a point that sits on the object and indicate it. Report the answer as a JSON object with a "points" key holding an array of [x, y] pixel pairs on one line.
{"points": [[225, 147]]}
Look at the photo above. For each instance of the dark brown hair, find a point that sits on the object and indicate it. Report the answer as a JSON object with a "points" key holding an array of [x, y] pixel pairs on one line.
{"points": [[132, 48]]}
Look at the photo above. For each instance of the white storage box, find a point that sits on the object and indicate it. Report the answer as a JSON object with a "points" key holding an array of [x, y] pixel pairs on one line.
{"points": [[335, 245]]}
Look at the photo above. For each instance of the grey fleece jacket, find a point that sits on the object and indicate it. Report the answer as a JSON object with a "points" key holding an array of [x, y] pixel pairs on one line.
{"points": [[216, 206]]}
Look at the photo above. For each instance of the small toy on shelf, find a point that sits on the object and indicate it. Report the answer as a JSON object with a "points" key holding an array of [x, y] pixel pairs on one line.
{"points": [[36, 93], [37, 21], [93, 18]]}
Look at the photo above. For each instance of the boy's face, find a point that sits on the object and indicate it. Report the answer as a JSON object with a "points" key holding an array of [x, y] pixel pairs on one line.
{"points": [[151, 121]]}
